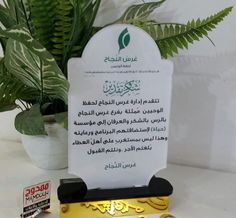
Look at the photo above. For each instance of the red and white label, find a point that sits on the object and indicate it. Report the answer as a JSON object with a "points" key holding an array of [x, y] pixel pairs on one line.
{"points": [[35, 197]]}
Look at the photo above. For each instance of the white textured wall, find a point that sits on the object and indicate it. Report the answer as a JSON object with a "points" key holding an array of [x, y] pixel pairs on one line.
{"points": [[203, 118]]}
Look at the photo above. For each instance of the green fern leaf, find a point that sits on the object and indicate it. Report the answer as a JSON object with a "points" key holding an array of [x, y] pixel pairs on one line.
{"points": [[43, 15], [73, 28], [172, 37], [61, 33], [140, 12], [88, 17]]}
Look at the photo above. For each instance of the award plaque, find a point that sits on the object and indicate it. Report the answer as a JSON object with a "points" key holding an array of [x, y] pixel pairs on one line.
{"points": [[119, 109]]}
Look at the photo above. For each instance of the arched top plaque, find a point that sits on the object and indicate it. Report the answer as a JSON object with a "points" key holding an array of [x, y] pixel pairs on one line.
{"points": [[119, 107]]}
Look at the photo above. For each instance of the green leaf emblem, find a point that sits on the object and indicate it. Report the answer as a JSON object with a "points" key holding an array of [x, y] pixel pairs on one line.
{"points": [[124, 39]]}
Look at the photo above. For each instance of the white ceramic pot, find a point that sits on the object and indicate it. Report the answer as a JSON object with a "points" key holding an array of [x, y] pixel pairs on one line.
{"points": [[51, 151]]}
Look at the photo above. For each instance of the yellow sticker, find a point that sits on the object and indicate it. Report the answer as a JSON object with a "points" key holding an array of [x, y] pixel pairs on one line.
{"points": [[167, 216]]}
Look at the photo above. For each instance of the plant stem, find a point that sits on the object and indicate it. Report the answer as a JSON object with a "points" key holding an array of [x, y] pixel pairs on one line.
{"points": [[26, 18], [41, 78]]}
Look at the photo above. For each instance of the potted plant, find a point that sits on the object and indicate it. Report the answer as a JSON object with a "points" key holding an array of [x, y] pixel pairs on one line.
{"points": [[38, 37]]}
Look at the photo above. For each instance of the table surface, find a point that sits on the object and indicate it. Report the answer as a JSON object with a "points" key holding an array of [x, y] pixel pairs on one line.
{"points": [[197, 192]]}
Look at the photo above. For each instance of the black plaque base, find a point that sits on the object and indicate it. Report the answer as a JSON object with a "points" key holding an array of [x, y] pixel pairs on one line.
{"points": [[78, 202]]}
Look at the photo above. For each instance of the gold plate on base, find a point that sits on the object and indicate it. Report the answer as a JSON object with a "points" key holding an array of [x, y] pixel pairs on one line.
{"points": [[115, 208]]}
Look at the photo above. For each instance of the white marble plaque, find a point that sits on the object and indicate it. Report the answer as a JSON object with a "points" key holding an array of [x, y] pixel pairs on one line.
{"points": [[119, 107]]}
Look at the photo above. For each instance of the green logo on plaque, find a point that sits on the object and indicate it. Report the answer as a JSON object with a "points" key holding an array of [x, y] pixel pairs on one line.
{"points": [[124, 39]]}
